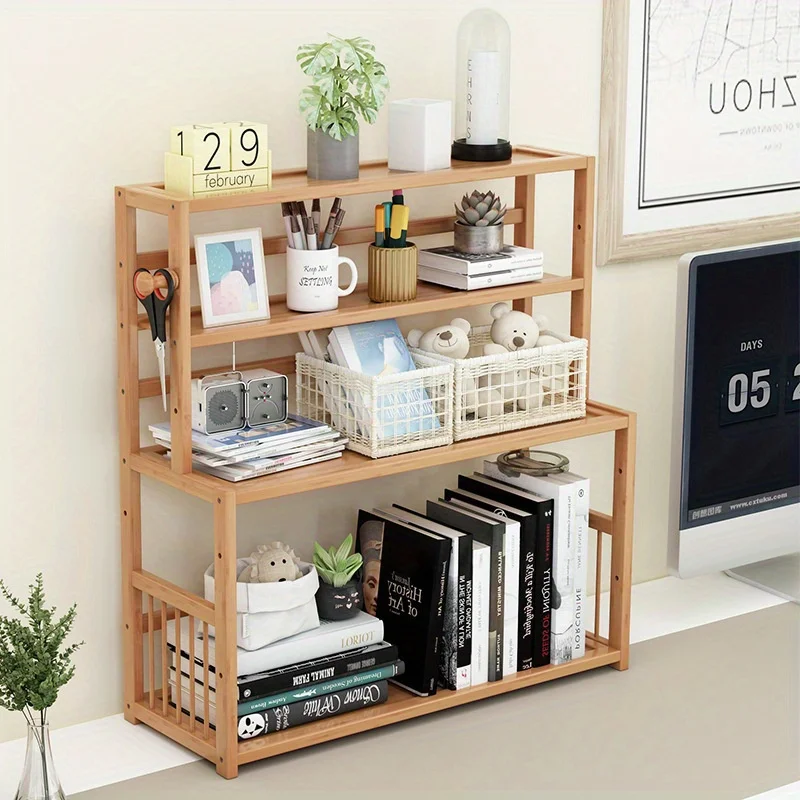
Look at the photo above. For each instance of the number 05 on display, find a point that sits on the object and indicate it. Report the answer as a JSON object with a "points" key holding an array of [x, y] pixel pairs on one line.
{"points": [[218, 158]]}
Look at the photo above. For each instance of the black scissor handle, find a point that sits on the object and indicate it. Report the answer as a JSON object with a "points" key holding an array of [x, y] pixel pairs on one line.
{"points": [[156, 303]]}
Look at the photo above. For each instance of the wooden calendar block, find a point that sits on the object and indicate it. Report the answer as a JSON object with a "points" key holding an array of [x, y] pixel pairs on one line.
{"points": [[249, 147], [178, 173], [242, 180], [209, 146]]}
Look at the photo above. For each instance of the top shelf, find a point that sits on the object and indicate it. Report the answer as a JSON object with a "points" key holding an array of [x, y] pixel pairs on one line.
{"points": [[374, 176]]}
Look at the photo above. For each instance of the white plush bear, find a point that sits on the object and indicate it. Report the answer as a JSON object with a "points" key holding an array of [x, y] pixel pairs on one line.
{"points": [[452, 341], [512, 331], [447, 340]]}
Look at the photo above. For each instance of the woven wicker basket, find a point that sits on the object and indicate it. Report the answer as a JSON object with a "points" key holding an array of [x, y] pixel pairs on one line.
{"points": [[381, 416], [505, 392]]}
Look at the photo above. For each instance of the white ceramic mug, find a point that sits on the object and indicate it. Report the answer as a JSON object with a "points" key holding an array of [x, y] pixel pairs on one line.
{"points": [[312, 279]]}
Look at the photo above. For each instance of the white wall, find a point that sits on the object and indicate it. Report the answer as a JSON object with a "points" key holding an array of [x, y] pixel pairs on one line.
{"points": [[90, 91]]}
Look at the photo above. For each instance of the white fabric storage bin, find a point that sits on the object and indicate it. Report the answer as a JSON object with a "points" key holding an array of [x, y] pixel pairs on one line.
{"points": [[266, 612], [505, 392], [383, 415]]}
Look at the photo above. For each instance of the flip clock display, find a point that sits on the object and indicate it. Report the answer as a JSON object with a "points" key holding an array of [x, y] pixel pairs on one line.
{"points": [[742, 386], [234, 400], [218, 158]]}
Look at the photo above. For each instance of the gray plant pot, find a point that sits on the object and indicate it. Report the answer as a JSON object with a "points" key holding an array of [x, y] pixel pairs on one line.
{"points": [[476, 240], [329, 159]]}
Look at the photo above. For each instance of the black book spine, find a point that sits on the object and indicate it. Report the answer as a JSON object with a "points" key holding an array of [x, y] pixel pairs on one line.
{"points": [[436, 623], [542, 584], [293, 714], [527, 594], [315, 671], [464, 599]]}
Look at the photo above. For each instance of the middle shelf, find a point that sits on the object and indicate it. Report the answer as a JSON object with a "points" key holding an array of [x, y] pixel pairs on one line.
{"points": [[352, 467], [357, 307]]}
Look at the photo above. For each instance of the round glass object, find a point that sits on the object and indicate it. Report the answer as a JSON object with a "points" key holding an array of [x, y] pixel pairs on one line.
{"points": [[482, 87]]}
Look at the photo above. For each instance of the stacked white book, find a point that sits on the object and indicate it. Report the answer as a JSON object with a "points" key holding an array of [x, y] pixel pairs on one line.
{"points": [[253, 452], [447, 267]]}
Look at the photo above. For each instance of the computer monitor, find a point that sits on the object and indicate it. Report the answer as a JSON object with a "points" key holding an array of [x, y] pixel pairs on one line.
{"points": [[735, 482]]}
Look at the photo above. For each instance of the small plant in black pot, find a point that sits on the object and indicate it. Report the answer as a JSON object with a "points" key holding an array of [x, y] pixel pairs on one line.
{"points": [[339, 593]]}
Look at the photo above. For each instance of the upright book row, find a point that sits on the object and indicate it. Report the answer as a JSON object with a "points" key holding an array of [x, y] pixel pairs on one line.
{"points": [[488, 581]]}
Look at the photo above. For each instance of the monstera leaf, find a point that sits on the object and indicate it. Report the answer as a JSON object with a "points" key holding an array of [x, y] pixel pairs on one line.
{"points": [[312, 106], [315, 59], [373, 84], [354, 52]]}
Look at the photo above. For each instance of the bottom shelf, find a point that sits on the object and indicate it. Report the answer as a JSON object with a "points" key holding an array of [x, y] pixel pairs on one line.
{"points": [[402, 705]]}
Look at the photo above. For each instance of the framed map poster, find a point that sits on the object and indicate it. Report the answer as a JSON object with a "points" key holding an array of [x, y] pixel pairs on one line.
{"points": [[699, 125]]}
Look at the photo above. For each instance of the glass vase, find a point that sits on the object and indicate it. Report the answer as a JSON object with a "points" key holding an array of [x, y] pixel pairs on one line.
{"points": [[39, 780]]}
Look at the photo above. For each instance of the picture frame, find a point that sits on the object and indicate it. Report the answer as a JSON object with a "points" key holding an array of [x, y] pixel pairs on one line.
{"points": [[232, 277], [697, 152]]}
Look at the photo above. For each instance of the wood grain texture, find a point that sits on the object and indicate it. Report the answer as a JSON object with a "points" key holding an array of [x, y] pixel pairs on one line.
{"points": [[525, 198], [619, 625], [402, 706], [583, 257], [130, 481], [227, 695], [358, 308], [374, 176], [174, 595], [180, 345], [352, 467], [612, 244]]}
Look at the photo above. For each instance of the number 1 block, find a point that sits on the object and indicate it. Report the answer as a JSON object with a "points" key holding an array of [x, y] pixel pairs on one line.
{"points": [[209, 146]]}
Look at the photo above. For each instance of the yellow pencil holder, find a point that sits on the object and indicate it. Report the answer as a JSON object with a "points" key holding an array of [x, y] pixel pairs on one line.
{"points": [[392, 275]]}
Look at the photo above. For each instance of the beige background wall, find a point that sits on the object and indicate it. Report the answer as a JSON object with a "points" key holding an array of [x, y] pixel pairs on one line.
{"points": [[90, 91]]}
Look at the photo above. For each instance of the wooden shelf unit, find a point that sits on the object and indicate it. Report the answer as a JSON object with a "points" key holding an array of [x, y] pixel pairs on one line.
{"points": [[150, 601]]}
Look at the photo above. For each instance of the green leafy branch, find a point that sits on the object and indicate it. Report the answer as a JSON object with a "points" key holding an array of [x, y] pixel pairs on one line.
{"points": [[35, 663], [348, 82]]}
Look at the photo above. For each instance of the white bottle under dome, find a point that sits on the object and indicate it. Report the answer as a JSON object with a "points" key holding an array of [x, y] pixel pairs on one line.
{"points": [[482, 87]]}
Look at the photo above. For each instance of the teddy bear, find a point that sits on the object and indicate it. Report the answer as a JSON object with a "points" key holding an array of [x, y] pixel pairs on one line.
{"points": [[512, 331], [272, 563], [452, 341]]}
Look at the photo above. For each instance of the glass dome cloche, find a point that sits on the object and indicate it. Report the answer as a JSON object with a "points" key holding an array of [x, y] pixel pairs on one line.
{"points": [[482, 87]]}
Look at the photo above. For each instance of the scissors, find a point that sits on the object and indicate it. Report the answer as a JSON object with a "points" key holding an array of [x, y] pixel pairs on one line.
{"points": [[155, 304]]}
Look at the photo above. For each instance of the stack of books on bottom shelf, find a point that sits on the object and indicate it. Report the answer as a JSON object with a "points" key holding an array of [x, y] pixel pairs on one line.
{"points": [[488, 581], [252, 452], [335, 668], [448, 267]]}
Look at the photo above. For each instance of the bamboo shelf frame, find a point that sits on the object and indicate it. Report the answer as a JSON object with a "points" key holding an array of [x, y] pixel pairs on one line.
{"points": [[151, 602]]}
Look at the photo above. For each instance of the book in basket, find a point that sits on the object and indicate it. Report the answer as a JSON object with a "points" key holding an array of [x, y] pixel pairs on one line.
{"points": [[378, 349]]}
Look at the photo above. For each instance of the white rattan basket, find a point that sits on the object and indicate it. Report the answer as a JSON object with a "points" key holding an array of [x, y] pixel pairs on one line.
{"points": [[509, 391], [384, 415]]}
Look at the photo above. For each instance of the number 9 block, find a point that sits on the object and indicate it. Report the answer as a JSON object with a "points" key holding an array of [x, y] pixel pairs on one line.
{"points": [[249, 148]]}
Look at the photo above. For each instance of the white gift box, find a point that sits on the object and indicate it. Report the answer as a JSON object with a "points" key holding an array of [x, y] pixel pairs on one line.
{"points": [[266, 612], [419, 134]]}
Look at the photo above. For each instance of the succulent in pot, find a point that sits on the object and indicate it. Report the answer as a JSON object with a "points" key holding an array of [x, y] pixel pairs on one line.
{"points": [[339, 593], [478, 228], [348, 83]]}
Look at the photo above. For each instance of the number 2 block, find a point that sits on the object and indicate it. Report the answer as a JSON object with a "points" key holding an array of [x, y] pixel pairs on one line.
{"points": [[249, 148], [209, 146]]}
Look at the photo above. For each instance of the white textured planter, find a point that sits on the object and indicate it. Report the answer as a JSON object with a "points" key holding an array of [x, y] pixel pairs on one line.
{"points": [[266, 612]]}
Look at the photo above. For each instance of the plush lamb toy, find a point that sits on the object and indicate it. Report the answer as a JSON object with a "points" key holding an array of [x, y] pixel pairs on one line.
{"points": [[512, 331], [273, 563], [453, 341]]}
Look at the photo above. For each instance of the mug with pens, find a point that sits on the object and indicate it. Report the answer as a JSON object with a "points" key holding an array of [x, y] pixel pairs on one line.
{"points": [[312, 257], [392, 263]]}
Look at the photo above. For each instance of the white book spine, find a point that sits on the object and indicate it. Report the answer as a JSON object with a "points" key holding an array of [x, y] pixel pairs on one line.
{"points": [[580, 487], [470, 282], [562, 609], [480, 612], [510, 597]]}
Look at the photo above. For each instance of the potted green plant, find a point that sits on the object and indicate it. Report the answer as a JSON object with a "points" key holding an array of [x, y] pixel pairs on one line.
{"points": [[34, 664], [339, 593], [348, 83], [478, 229]]}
